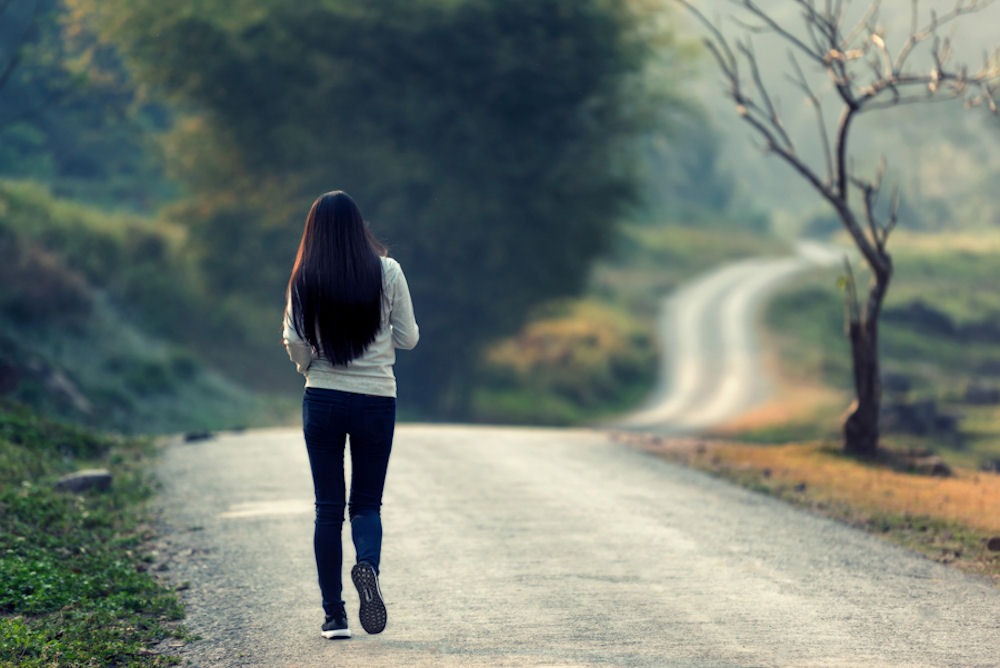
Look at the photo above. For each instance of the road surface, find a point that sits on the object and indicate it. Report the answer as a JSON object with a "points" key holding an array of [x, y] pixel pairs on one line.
{"points": [[532, 547], [711, 369]]}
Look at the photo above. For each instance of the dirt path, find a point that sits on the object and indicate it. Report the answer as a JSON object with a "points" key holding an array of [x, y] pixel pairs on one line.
{"points": [[711, 369]]}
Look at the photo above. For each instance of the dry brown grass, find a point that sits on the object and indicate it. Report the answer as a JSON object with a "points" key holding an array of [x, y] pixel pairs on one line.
{"points": [[949, 519], [792, 401], [967, 497]]}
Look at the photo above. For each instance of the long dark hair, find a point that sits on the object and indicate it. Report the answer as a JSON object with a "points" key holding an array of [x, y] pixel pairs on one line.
{"points": [[336, 284]]}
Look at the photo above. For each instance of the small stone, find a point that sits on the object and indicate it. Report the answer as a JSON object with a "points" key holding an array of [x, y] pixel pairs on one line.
{"points": [[982, 394], [82, 481], [932, 465], [993, 544]]}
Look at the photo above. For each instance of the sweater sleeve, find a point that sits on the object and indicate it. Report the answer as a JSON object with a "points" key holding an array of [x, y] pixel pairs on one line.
{"points": [[299, 351], [405, 332]]}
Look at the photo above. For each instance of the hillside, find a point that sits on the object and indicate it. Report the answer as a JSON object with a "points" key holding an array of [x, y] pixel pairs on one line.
{"points": [[99, 322]]}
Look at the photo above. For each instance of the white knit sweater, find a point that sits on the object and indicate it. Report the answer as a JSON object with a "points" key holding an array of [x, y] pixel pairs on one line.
{"points": [[372, 372]]}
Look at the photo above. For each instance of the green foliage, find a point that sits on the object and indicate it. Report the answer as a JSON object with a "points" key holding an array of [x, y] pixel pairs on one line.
{"points": [[35, 287], [69, 115], [572, 363], [75, 590], [938, 337], [62, 251], [579, 360], [684, 175], [489, 142], [87, 301]]}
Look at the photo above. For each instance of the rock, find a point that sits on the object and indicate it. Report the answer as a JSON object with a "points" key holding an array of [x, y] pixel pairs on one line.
{"points": [[932, 465], [195, 436], [922, 317], [82, 481], [993, 544], [896, 383], [920, 418], [991, 466], [982, 394]]}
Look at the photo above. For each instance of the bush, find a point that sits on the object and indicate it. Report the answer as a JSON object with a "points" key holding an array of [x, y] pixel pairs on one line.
{"points": [[36, 287], [578, 360]]}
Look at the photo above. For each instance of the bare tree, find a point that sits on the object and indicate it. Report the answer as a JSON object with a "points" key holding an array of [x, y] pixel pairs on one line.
{"points": [[866, 74]]}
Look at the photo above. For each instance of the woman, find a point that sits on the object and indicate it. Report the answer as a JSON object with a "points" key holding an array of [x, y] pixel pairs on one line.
{"points": [[348, 309]]}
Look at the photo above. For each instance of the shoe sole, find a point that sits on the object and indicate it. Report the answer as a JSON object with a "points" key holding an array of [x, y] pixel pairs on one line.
{"points": [[372, 614], [336, 634]]}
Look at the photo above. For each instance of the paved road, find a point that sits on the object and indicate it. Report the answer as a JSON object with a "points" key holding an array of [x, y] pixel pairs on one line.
{"points": [[529, 547], [711, 369]]}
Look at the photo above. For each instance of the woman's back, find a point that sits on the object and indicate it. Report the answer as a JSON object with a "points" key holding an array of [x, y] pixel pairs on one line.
{"points": [[371, 373]]}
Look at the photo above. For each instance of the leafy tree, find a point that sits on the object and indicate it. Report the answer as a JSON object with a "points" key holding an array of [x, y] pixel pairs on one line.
{"points": [[68, 113], [489, 142], [867, 74]]}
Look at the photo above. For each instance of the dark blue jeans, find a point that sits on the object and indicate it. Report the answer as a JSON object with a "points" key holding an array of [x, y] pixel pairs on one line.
{"points": [[329, 417]]}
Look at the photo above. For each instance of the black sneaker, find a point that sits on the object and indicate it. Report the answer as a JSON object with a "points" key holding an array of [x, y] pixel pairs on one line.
{"points": [[335, 626], [372, 614]]}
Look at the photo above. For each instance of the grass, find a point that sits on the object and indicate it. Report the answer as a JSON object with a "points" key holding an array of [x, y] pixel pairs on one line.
{"points": [[948, 519], [74, 583], [580, 360], [937, 339], [102, 322]]}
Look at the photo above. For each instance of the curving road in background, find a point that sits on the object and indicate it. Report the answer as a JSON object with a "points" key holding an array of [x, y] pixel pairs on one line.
{"points": [[711, 369]]}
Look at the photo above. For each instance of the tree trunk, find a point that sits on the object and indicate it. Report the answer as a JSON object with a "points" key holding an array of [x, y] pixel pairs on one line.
{"points": [[861, 429]]}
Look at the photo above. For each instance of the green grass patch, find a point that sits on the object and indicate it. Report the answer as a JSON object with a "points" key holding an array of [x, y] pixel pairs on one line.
{"points": [[575, 362], [578, 361], [940, 336], [74, 585], [103, 321]]}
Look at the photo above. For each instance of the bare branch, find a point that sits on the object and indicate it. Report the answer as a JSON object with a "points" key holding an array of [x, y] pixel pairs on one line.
{"points": [[851, 294], [717, 44], [869, 197], [773, 118], [775, 27], [922, 34], [862, 26], [801, 81], [893, 216], [883, 55]]}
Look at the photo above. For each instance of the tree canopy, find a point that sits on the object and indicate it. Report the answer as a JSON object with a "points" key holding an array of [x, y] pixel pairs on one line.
{"points": [[68, 111], [489, 143]]}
